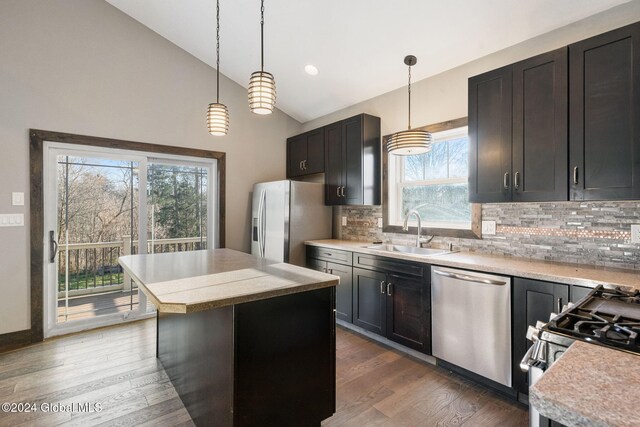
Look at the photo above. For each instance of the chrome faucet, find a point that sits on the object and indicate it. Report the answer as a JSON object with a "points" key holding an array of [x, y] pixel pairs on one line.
{"points": [[405, 226]]}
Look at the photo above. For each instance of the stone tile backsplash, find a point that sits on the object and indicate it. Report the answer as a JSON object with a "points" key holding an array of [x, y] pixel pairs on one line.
{"points": [[596, 233]]}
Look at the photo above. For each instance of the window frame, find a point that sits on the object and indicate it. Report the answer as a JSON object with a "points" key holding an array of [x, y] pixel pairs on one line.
{"points": [[389, 170]]}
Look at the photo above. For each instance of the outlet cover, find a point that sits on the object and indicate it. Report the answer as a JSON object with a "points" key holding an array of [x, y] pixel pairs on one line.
{"points": [[17, 199], [635, 233], [379, 222], [488, 227], [344, 220]]}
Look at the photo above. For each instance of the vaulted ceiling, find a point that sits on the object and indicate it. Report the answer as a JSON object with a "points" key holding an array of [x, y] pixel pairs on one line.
{"points": [[357, 45]]}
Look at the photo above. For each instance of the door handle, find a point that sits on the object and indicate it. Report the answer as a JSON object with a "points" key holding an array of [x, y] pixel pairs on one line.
{"points": [[389, 289], [505, 181], [304, 164], [342, 191], [338, 191], [516, 180], [382, 287], [575, 175], [53, 246], [559, 306], [468, 278], [300, 165]]}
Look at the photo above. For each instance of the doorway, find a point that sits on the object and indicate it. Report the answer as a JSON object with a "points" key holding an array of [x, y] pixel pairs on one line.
{"points": [[102, 203]]}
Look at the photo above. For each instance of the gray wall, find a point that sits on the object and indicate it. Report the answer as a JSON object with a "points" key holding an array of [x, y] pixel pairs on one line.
{"points": [[82, 66], [444, 96]]}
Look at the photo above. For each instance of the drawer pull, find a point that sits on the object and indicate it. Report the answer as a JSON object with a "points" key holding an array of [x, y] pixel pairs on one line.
{"points": [[382, 287]]}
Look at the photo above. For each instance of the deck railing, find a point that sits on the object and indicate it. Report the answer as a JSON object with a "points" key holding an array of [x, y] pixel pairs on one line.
{"points": [[93, 267]]}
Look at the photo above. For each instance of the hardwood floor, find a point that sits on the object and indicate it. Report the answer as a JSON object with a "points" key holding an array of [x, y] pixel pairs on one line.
{"points": [[116, 367], [377, 386]]}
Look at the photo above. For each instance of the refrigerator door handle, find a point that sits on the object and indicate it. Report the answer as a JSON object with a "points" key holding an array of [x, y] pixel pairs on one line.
{"points": [[263, 220], [260, 208]]}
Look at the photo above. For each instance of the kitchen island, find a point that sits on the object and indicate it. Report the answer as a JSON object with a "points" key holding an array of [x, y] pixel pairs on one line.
{"points": [[245, 341]]}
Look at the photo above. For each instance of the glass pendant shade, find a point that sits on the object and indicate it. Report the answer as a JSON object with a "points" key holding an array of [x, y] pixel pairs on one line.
{"points": [[262, 93], [409, 143], [218, 119]]}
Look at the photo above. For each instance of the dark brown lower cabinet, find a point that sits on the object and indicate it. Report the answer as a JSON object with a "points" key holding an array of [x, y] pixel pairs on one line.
{"points": [[395, 306], [369, 300], [533, 300], [340, 265], [409, 312]]}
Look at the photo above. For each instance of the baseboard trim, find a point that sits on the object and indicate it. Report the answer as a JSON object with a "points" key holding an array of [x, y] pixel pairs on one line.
{"points": [[14, 340]]}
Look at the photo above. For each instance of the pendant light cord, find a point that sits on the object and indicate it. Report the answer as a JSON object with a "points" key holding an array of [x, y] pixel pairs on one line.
{"points": [[409, 90], [262, 35], [217, 51]]}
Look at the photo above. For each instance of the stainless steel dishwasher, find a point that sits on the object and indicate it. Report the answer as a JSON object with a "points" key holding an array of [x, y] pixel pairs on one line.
{"points": [[471, 321]]}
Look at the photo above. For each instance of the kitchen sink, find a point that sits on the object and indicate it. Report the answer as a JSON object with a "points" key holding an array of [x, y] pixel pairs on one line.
{"points": [[413, 250]]}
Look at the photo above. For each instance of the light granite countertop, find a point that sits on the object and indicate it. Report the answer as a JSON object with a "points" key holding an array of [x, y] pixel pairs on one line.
{"points": [[572, 274], [590, 385], [184, 282]]}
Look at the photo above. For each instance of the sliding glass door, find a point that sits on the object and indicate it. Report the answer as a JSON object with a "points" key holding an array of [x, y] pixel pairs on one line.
{"points": [[97, 201]]}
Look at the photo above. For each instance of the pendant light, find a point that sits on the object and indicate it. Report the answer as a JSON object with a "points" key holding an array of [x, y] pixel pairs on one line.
{"points": [[218, 114], [262, 86], [409, 142]]}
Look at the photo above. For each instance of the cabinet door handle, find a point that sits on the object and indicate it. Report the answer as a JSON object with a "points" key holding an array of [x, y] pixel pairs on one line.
{"points": [[505, 181], [304, 164], [342, 191], [300, 165], [338, 191], [382, 287], [389, 289], [575, 175], [559, 306], [516, 180]]}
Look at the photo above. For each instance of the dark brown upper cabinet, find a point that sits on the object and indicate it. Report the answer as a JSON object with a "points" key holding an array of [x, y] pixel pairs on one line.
{"points": [[305, 153], [352, 161], [540, 145], [490, 136], [518, 131], [604, 99]]}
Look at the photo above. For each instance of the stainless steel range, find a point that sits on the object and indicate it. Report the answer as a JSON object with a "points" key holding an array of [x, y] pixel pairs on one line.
{"points": [[607, 317]]}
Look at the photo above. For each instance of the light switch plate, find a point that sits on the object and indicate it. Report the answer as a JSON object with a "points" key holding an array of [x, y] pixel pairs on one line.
{"points": [[488, 227], [17, 198], [635, 233], [11, 220], [344, 221], [379, 222]]}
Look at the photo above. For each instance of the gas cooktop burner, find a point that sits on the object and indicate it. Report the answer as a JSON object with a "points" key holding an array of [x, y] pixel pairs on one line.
{"points": [[606, 316]]}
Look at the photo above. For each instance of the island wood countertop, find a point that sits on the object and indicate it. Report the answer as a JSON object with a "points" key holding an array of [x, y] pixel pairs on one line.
{"points": [[571, 274], [184, 282], [590, 385]]}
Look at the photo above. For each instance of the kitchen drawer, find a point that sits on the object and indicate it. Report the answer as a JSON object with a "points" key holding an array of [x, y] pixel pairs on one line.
{"points": [[372, 262], [332, 255]]}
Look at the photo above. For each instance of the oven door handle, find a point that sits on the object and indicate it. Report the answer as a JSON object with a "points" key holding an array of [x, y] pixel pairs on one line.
{"points": [[525, 363]]}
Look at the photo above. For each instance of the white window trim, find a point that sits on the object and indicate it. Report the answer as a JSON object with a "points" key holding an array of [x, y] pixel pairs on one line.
{"points": [[396, 169]]}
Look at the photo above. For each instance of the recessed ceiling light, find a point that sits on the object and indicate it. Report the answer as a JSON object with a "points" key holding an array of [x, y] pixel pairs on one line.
{"points": [[311, 70]]}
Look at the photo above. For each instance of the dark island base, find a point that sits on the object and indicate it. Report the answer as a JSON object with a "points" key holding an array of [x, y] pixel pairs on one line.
{"points": [[267, 363]]}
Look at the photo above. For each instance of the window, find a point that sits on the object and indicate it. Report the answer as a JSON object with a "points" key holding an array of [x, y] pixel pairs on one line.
{"points": [[435, 184]]}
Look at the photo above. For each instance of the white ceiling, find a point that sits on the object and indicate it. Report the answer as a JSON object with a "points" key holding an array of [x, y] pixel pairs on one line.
{"points": [[357, 45]]}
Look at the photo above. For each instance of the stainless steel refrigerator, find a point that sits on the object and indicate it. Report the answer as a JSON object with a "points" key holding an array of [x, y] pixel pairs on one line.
{"points": [[285, 214]]}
